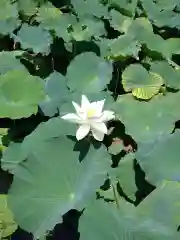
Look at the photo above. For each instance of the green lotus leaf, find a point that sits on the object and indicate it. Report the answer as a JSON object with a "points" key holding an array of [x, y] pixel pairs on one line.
{"points": [[148, 221], [162, 16], [34, 38], [145, 121], [28, 7], [56, 93], [119, 21], [3, 134], [128, 7], [144, 85], [160, 158], [167, 5], [17, 152], [9, 61], [20, 94], [172, 46], [52, 181], [90, 7], [124, 46], [170, 75], [12, 156], [141, 30], [159, 204], [87, 29], [8, 17], [51, 18], [125, 175], [88, 73], [140, 27]]}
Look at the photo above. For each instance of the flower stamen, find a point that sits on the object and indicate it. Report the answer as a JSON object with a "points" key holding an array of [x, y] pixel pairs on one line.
{"points": [[91, 113]]}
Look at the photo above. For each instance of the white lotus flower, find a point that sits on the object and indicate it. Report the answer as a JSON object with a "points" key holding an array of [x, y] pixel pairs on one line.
{"points": [[90, 117]]}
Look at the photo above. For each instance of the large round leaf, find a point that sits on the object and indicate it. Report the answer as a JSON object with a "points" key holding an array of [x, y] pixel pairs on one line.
{"points": [[20, 94], [88, 73], [157, 218], [52, 181], [160, 158], [145, 121], [7, 224], [143, 85]]}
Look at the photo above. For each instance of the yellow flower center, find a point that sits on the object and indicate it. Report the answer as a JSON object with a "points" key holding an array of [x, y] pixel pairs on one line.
{"points": [[91, 112]]}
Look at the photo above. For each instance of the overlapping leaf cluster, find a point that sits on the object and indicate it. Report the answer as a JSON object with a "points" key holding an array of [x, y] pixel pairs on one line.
{"points": [[51, 53]]}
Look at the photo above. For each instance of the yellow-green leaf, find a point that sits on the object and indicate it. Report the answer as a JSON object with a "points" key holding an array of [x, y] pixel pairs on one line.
{"points": [[7, 223]]}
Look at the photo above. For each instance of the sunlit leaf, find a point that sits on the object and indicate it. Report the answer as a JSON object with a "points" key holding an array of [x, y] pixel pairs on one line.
{"points": [[144, 85], [3, 134], [7, 223]]}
